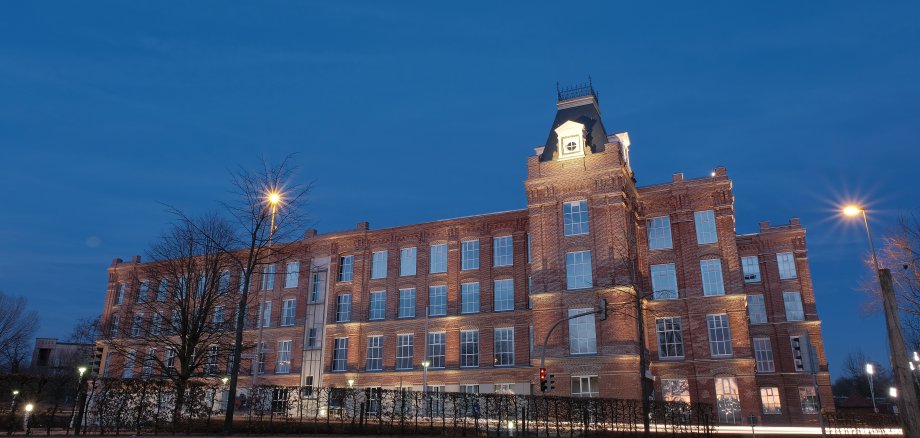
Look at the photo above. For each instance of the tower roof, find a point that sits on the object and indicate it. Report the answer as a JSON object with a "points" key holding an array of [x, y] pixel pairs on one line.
{"points": [[577, 104]]}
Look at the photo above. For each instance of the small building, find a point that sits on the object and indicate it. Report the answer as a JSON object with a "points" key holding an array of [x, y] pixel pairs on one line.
{"points": [[52, 357]]}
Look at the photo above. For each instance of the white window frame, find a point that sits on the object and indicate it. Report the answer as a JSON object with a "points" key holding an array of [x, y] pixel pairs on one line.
{"points": [[120, 297], [469, 258], [770, 400], [659, 233], [502, 251], [405, 346], [408, 261], [346, 268], [503, 295], [785, 262], [379, 265], [808, 398], [792, 302], [340, 355], [728, 400], [374, 353], [582, 332], [437, 262], [763, 355], [288, 312], [378, 306], [268, 277], [407, 303], [504, 346], [469, 298], [670, 335], [437, 349], [266, 308], [137, 324], [720, 335], [291, 274], [664, 281], [283, 361], [127, 372], [578, 271], [469, 348], [757, 309], [575, 220], [437, 300], [750, 269], [343, 308], [705, 222], [711, 273], [585, 386]]}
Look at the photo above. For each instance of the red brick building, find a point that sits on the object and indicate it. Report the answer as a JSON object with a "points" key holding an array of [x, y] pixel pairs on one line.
{"points": [[720, 311]]}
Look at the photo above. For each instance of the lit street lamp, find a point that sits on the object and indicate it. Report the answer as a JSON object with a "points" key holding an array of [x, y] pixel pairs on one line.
{"points": [[25, 419], [870, 372], [13, 403], [73, 418], [907, 403], [273, 197]]}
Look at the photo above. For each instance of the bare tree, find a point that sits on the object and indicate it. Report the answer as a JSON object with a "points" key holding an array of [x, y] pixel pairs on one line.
{"points": [[86, 331], [18, 325], [901, 252], [184, 293]]}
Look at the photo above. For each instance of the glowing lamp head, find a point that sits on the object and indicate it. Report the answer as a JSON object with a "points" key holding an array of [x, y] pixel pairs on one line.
{"points": [[870, 370], [911, 365], [225, 380], [15, 392], [852, 210], [916, 357], [426, 363], [351, 383], [274, 197], [81, 370], [29, 407], [893, 391]]}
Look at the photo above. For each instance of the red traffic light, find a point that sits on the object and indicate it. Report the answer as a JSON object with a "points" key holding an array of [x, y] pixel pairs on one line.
{"points": [[542, 373]]}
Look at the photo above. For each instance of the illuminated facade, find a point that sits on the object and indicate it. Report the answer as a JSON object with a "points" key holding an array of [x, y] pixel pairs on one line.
{"points": [[474, 297]]}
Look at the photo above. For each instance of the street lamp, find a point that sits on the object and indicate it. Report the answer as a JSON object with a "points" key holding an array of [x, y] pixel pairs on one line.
{"points": [[13, 403], [893, 392], [908, 402], [273, 197], [73, 418], [425, 364], [351, 383], [25, 419], [870, 371]]}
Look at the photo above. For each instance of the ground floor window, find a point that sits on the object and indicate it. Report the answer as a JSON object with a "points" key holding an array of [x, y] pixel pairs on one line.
{"points": [[809, 399], [769, 398], [675, 390], [728, 402], [280, 401], [585, 386]]}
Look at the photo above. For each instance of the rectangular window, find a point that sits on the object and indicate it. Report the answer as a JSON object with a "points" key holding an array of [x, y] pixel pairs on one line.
{"points": [[291, 274], [268, 277], [575, 218], [469, 258], [120, 296], [142, 292], [340, 354], [528, 247], [578, 270], [502, 251], [404, 351], [436, 349], [136, 324], [504, 346], [809, 399], [210, 361], [786, 263], [675, 390], [469, 298], [311, 337], [379, 265], [469, 389], [223, 282], [288, 309], [757, 311], [284, 358], [728, 400], [262, 349], [156, 324], [797, 351], [406, 303], [582, 333], [437, 301], [720, 335], [170, 360], [375, 353], [438, 261], [705, 227], [793, 303], [149, 361], [128, 370], [711, 271], [378, 305], [504, 295], [659, 233], [751, 269], [664, 281], [763, 354], [407, 261], [162, 290], [770, 400], [343, 308], [115, 326], [242, 282], [670, 338], [218, 315], [266, 309], [469, 348], [585, 386], [318, 288], [346, 267]]}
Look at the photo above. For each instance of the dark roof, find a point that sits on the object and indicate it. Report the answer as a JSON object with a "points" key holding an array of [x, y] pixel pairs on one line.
{"points": [[583, 110]]}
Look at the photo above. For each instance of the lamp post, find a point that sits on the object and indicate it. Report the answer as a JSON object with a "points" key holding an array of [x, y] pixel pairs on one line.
{"points": [[870, 371], [25, 419], [13, 403], [273, 197], [907, 403], [73, 419]]}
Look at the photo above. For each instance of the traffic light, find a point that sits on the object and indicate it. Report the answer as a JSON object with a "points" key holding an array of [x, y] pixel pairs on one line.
{"points": [[552, 382], [542, 379], [603, 309]]}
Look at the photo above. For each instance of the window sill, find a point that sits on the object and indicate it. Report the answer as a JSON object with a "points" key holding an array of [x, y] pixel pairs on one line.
{"points": [[672, 359], [722, 356]]}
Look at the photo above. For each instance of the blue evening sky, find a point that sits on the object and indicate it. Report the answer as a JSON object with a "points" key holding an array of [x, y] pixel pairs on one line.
{"points": [[409, 112]]}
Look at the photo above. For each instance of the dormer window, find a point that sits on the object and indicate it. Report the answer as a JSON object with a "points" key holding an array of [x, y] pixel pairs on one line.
{"points": [[571, 137]]}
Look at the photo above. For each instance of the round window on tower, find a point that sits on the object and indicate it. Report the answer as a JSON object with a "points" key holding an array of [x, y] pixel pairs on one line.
{"points": [[571, 146]]}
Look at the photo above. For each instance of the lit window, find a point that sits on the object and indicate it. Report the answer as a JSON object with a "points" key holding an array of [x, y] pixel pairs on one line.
{"points": [[346, 267], [407, 261], [340, 354], [438, 261], [469, 255], [378, 305], [283, 366], [504, 346], [711, 271], [406, 303], [291, 274], [436, 349], [664, 281], [670, 338], [705, 227], [757, 311], [809, 399], [379, 265], [786, 263], [437, 301], [659, 233], [793, 303], [582, 333], [268, 277], [720, 335], [763, 354], [575, 217], [675, 390], [770, 400], [751, 269], [375, 353], [288, 309], [343, 308], [728, 400], [469, 348], [585, 386], [578, 270], [504, 295], [502, 251], [404, 351], [469, 298]]}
